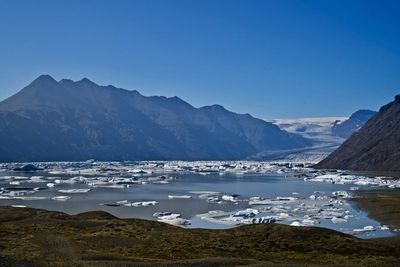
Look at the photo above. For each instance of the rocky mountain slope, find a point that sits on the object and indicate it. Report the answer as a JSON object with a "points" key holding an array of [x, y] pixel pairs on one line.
{"points": [[376, 146]]}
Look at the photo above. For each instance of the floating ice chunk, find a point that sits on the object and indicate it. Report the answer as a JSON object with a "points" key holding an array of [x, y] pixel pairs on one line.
{"points": [[169, 216], [296, 223], [162, 213], [74, 191], [286, 198], [308, 222], [50, 185], [160, 182], [28, 198], [68, 181], [141, 203], [368, 228], [217, 212], [338, 220], [61, 198], [365, 182], [252, 211], [179, 196], [133, 204], [19, 193], [177, 221], [266, 219], [339, 202], [229, 197], [282, 216], [114, 186], [248, 213], [149, 203], [37, 179], [256, 198], [279, 208]]}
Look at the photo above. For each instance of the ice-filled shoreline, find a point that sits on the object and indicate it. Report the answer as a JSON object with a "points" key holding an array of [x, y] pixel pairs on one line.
{"points": [[57, 185]]}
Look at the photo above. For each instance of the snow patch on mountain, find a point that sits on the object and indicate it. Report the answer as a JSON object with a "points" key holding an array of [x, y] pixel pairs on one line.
{"points": [[319, 130]]}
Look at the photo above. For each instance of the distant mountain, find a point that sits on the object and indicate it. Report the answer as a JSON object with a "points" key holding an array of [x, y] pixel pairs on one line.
{"points": [[318, 130], [374, 147], [346, 128], [326, 133], [67, 120]]}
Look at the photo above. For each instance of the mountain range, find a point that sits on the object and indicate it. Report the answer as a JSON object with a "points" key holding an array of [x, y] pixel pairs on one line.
{"points": [[374, 147], [69, 120]]}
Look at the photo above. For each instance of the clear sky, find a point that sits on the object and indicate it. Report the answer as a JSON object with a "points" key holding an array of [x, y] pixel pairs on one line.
{"points": [[272, 59]]}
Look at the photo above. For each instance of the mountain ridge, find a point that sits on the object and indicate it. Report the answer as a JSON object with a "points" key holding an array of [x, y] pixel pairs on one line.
{"points": [[77, 120]]}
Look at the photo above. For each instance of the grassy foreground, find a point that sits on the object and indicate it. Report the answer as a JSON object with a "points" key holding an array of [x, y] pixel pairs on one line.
{"points": [[31, 237]]}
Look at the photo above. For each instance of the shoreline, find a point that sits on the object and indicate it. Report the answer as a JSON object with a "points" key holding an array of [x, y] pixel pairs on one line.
{"points": [[382, 205]]}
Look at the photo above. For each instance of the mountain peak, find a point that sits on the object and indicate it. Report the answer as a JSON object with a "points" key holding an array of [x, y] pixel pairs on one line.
{"points": [[362, 113], [44, 78], [215, 107], [66, 81], [86, 81], [43, 82]]}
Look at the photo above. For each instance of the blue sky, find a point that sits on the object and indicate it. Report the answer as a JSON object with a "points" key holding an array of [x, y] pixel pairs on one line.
{"points": [[272, 59]]}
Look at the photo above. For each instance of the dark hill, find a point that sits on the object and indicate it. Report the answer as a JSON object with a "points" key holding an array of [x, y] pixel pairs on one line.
{"points": [[376, 146], [31, 237], [67, 120]]}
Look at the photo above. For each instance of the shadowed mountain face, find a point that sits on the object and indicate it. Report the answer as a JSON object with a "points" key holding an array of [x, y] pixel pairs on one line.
{"points": [[67, 120], [374, 147], [354, 123]]}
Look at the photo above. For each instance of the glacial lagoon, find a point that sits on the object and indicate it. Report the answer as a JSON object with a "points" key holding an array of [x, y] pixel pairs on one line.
{"points": [[214, 195]]}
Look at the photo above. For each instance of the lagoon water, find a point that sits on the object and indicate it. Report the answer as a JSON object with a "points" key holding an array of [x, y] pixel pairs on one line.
{"points": [[267, 185]]}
